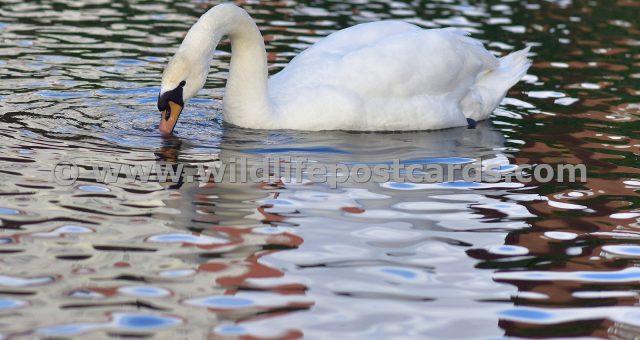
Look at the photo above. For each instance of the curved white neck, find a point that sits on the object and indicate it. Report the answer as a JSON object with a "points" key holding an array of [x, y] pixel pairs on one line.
{"points": [[246, 100]]}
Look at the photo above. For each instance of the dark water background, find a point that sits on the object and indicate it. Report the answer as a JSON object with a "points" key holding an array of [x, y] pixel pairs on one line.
{"points": [[79, 79]]}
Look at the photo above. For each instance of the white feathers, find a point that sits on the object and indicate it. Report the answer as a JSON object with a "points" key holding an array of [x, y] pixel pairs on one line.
{"points": [[491, 87], [386, 75]]}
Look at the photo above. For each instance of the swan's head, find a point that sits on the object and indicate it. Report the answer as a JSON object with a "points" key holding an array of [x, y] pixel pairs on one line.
{"points": [[181, 81]]}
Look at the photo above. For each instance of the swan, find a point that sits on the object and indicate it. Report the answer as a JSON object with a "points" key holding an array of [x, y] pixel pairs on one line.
{"points": [[378, 76]]}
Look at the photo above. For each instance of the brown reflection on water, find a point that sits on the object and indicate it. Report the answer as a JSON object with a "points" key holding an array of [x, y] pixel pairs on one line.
{"points": [[595, 228], [209, 209], [599, 130]]}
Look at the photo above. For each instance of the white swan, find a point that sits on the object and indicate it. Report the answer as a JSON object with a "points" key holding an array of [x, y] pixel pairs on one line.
{"points": [[385, 75]]}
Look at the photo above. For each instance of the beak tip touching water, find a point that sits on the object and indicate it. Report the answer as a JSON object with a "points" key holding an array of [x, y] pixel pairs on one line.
{"points": [[164, 129], [166, 126], [169, 118]]}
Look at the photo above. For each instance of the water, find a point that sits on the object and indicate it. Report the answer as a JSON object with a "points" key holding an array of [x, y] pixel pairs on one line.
{"points": [[79, 81]]}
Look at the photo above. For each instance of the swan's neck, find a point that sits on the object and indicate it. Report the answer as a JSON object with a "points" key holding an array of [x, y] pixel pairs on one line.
{"points": [[246, 101]]}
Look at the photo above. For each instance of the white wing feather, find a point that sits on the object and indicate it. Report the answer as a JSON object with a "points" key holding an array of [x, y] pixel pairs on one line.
{"points": [[386, 75]]}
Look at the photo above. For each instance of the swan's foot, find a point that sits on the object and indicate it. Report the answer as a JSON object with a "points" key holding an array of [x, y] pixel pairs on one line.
{"points": [[472, 123]]}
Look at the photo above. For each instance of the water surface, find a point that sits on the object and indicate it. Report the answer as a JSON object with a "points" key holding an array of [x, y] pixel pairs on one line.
{"points": [[79, 80]]}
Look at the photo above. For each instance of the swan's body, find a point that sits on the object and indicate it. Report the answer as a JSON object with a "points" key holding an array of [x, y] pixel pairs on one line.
{"points": [[385, 75]]}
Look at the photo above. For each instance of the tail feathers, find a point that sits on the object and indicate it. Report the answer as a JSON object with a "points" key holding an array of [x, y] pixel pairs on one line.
{"points": [[492, 86], [512, 68]]}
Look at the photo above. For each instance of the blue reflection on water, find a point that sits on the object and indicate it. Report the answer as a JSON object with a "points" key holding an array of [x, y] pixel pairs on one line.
{"points": [[73, 229], [147, 291], [11, 303], [175, 238], [460, 184], [404, 273], [9, 211], [223, 302], [434, 160], [287, 150], [70, 329], [60, 94], [139, 90], [186, 238], [625, 250], [6, 240], [145, 322], [130, 62], [93, 188], [230, 330], [397, 185], [611, 276], [277, 202], [630, 250], [525, 313]]}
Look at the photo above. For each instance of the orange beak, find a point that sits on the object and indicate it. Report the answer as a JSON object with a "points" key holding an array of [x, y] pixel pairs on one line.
{"points": [[169, 118]]}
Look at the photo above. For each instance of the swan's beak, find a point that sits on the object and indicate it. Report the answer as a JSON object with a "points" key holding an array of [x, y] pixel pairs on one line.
{"points": [[169, 118]]}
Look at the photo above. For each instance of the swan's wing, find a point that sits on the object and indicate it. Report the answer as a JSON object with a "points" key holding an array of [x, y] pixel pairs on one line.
{"points": [[391, 56], [387, 65], [325, 58], [357, 37]]}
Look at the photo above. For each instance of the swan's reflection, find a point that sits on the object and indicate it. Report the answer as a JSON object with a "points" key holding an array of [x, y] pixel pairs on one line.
{"points": [[170, 149], [398, 252]]}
